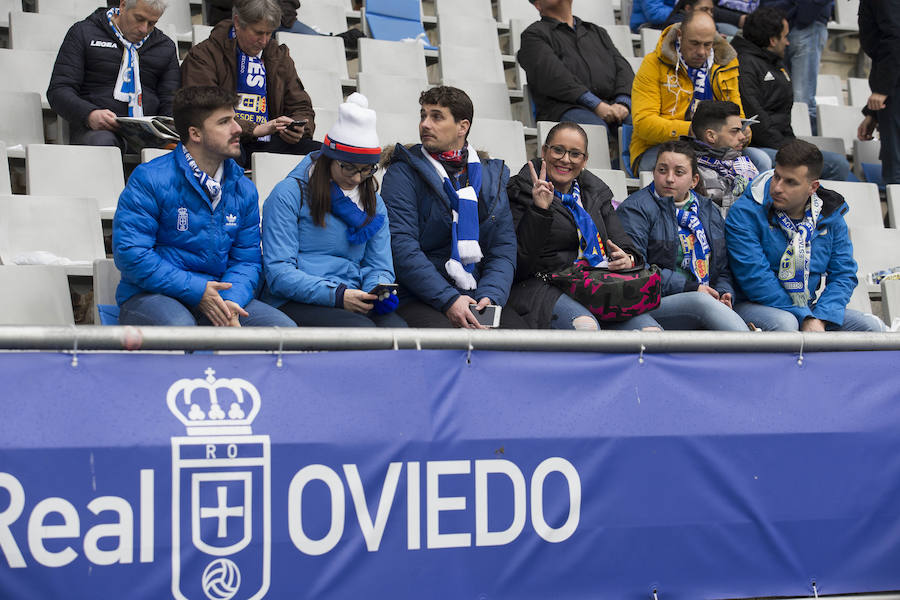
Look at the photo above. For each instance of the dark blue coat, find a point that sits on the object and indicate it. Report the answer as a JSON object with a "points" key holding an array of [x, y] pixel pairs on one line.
{"points": [[420, 218], [650, 221]]}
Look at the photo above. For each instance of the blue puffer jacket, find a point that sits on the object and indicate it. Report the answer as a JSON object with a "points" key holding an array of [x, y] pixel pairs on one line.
{"points": [[756, 244], [420, 230], [306, 263], [653, 12], [650, 221], [168, 240]]}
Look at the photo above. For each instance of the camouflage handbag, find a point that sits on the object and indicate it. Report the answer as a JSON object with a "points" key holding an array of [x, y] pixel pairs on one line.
{"points": [[611, 296]]}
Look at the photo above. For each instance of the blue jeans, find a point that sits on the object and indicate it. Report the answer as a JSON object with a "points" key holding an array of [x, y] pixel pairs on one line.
{"points": [[157, 309], [647, 160], [312, 315], [768, 318], [803, 55], [835, 167], [567, 309], [696, 310]]}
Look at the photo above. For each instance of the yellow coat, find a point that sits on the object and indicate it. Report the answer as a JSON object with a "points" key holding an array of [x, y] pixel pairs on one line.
{"points": [[662, 91]]}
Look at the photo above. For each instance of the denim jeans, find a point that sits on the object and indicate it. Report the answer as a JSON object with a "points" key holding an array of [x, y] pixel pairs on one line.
{"points": [[647, 161], [312, 315], [157, 309], [835, 167], [696, 310], [803, 55], [768, 318], [567, 309]]}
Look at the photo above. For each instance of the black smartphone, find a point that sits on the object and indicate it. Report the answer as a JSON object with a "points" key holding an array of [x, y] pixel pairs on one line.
{"points": [[489, 316], [383, 289], [295, 125]]}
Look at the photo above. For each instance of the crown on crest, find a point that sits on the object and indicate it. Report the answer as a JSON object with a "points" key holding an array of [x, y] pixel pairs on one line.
{"points": [[211, 406]]}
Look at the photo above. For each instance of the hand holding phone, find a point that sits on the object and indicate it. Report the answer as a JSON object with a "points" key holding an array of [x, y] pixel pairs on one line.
{"points": [[297, 125], [489, 316]]}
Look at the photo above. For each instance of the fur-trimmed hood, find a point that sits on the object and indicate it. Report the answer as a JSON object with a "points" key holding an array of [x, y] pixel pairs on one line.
{"points": [[723, 53]]}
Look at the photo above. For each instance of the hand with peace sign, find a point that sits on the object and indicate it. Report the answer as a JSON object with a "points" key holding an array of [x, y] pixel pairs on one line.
{"points": [[542, 192]]}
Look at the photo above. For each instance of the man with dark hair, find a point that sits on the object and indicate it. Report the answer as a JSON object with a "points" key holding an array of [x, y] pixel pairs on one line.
{"points": [[766, 90], [240, 55], [691, 63], [115, 63], [879, 36], [719, 136], [452, 231], [783, 235], [186, 230], [575, 73]]}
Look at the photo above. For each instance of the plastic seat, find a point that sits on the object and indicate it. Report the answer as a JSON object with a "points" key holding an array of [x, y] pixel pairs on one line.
{"points": [[395, 128], [598, 143], [389, 93], [270, 168], [65, 226], [395, 20], [491, 100], [874, 249], [829, 90], [22, 123], [456, 63], [863, 200], [33, 31], [324, 17], [846, 12], [893, 204], [831, 144], [74, 8], [858, 91], [324, 87], [890, 300], [598, 12], [148, 154], [621, 38], [90, 171], [325, 118], [501, 139], [800, 123], [27, 71], [5, 184], [866, 161], [6, 7], [616, 181], [461, 29], [523, 10], [315, 53], [470, 8], [649, 39], [178, 15], [41, 298], [199, 33], [380, 57], [839, 121], [106, 280]]}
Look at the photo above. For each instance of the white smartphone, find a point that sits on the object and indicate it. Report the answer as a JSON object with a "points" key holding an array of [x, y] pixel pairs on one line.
{"points": [[489, 316]]}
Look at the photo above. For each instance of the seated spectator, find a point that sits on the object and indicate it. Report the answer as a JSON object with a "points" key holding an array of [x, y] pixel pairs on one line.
{"points": [[767, 93], [691, 63], [113, 64], [575, 73], [451, 230], [718, 140], [325, 231], [683, 233], [186, 230], [737, 11], [784, 234], [562, 214], [650, 13], [727, 21], [241, 56]]}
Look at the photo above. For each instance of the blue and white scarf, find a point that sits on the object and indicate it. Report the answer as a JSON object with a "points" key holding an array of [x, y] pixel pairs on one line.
{"points": [[590, 246], [793, 271], [212, 187], [464, 248], [128, 82], [359, 227], [251, 88], [693, 240], [699, 77]]}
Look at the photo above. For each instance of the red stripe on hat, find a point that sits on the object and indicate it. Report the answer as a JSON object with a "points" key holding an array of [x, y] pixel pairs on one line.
{"points": [[345, 148]]}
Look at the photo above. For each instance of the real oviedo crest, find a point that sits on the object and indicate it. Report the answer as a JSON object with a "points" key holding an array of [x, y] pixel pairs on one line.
{"points": [[221, 508]]}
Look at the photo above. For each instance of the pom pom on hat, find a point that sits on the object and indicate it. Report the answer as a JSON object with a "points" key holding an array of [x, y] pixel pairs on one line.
{"points": [[353, 138]]}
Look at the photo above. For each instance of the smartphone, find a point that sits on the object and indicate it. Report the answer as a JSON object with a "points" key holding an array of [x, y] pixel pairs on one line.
{"points": [[489, 316], [383, 289], [295, 125]]}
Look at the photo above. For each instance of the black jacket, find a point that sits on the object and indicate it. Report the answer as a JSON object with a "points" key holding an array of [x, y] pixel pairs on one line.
{"points": [[879, 36], [563, 64], [547, 240], [802, 13], [88, 64], [766, 92]]}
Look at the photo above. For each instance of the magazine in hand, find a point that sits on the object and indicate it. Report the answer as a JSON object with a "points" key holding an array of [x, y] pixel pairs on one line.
{"points": [[148, 132]]}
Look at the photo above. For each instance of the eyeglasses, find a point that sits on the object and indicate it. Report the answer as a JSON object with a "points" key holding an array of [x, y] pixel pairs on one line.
{"points": [[559, 152], [350, 171]]}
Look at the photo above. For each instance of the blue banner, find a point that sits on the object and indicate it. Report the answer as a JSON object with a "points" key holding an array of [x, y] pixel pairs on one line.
{"points": [[410, 475]]}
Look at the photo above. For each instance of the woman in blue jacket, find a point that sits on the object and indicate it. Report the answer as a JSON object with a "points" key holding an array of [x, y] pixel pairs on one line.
{"points": [[682, 232], [325, 233]]}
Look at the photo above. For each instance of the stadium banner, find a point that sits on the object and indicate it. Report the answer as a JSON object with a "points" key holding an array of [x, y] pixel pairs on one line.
{"points": [[448, 475]]}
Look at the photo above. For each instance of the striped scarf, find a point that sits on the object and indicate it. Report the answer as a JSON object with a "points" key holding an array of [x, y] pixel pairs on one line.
{"points": [[793, 271], [128, 81]]}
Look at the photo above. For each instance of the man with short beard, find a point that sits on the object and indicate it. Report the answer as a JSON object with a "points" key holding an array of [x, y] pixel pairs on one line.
{"points": [[186, 230]]}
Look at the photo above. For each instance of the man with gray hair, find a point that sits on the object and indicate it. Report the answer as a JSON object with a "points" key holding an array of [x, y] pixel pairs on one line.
{"points": [[274, 111], [114, 63]]}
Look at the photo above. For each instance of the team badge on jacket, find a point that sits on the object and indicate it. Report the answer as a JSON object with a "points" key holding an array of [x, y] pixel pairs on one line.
{"points": [[182, 223]]}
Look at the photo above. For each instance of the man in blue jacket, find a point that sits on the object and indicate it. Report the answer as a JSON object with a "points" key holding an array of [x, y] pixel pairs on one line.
{"points": [[783, 235], [186, 230], [452, 231]]}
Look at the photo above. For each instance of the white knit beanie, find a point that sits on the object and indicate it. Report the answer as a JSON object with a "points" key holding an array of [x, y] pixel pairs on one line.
{"points": [[353, 138]]}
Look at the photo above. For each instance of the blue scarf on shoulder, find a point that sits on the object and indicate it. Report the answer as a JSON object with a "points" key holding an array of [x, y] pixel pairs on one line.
{"points": [[359, 227], [590, 246]]}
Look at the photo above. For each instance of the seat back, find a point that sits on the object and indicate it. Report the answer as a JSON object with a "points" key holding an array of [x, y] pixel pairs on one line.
{"points": [[858, 91], [863, 200], [178, 16], [524, 10], [22, 122], [830, 144], [893, 205], [464, 30], [394, 20], [5, 183], [324, 17], [200, 33], [87, 171], [800, 123], [615, 181], [269, 169], [41, 296], [621, 38], [456, 63], [34, 31], [874, 249], [491, 100], [501, 139], [839, 121], [392, 94], [829, 90], [324, 87], [106, 280], [148, 154], [315, 52], [475, 9], [598, 12], [73, 8], [27, 70], [381, 57], [649, 39], [394, 128]]}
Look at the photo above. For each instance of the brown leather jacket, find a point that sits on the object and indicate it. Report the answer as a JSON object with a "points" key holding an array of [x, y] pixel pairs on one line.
{"points": [[214, 62]]}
